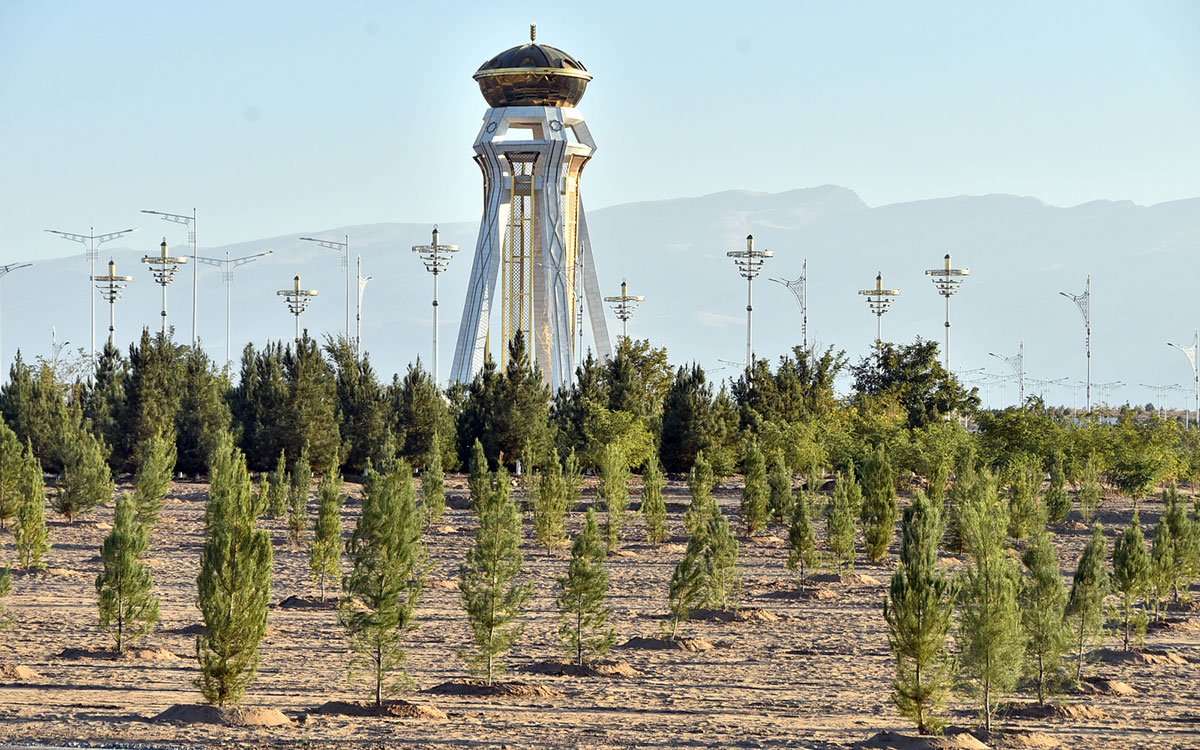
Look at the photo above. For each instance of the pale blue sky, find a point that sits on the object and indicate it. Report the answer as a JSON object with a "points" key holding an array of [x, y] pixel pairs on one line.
{"points": [[277, 118]]}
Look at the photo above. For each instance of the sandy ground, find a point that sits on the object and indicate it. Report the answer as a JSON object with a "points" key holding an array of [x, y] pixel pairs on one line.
{"points": [[798, 672]]}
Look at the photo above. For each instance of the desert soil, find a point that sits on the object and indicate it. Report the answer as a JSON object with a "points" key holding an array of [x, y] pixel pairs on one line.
{"points": [[792, 671]]}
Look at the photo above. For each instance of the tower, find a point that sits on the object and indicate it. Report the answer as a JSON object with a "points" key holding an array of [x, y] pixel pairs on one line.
{"points": [[533, 237]]}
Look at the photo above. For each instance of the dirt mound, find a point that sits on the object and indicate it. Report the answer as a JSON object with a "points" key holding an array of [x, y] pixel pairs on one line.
{"points": [[1016, 740], [1143, 656], [595, 669], [847, 579], [1190, 607], [230, 716], [1177, 625], [818, 593], [17, 672], [152, 654], [751, 614], [1074, 712], [767, 541], [668, 644], [1103, 686], [445, 585], [896, 741], [307, 602], [495, 690], [78, 654], [64, 573], [145, 654], [394, 708]]}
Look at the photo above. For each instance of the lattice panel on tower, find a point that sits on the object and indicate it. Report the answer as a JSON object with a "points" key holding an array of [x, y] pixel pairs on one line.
{"points": [[518, 254]]}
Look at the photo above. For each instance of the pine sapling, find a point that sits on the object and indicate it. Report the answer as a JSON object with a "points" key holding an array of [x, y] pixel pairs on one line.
{"points": [[779, 483], [583, 612], [756, 491], [1043, 610], [614, 493], [723, 581], [124, 588], [1085, 605], [31, 535], [550, 505], [1024, 479], [433, 486], [1131, 569], [325, 556], [1089, 492], [1163, 568], [687, 584], [86, 480], [879, 508], [297, 498], [11, 462], [572, 481], [153, 478], [654, 506], [478, 478], [275, 488], [802, 539], [1056, 500], [700, 484], [839, 527]]}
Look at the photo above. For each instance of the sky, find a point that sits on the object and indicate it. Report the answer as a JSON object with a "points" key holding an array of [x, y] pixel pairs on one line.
{"points": [[277, 118]]}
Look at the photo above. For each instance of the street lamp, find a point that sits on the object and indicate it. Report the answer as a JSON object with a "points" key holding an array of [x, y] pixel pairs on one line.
{"points": [[362, 284], [344, 249], [749, 263], [947, 280], [436, 258], [1084, 303], [190, 223], [111, 287], [7, 269], [799, 289], [227, 265], [297, 301], [1017, 364], [164, 267], [624, 307], [90, 242], [880, 301], [1190, 353]]}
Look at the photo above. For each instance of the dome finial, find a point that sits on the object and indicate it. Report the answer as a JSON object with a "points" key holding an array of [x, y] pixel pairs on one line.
{"points": [[533, 32]]}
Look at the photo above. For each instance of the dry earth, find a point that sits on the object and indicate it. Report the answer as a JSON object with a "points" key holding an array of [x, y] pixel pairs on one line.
{"points": [[807, 669]]}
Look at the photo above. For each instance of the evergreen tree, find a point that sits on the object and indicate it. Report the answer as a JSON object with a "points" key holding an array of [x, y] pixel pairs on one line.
{"points": [[234, 585], [30, 533], [362, 416], [5, 590], [388, 566], [879, 508], [687, 419], [1056, 500], [700, 484], [550, 505], [583, 613], [153, 394], [433, 486], [86, 480], [491, 597], [839, 527], [1089, 493], [127, 604], [723, 581], [572, 481], [421, 419], [654, 507], [1043, 609], [755, 492], [309, 419], [1185, 540], [1131, 568], [277, 484], [614, 494], [33, 403], [478, 479], [325, 557], [779, 482], [918, 611], [259, 405], [687, 583], [966, 478], [802, 539], [297, 497], [11, 466], [204, 412], [153, 478], [1085, 605], [1025, 477], [1163, 568]]}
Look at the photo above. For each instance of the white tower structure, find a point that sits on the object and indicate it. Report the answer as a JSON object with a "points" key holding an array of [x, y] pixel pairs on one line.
{"points": [[533, 237]]}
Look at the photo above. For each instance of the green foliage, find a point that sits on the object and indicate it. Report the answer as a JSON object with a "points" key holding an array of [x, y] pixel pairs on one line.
{"points": [[325, 557], [11, 464], [421, 419], [689, 419], [124, 588], [802, 538], [275, 489], [487, 579], [723, 581], [637, 377], [433, 486], [478, 478], [153, 395], [1089, 493], [297, 496], [966, 479], [550, 505], [779, 488], [153, 478], [614, 494], [1185, 540], [687, 583], [879, 509], [86, 480], [918, 611], [756, 491], [234, 585], [1025, 477], [5, 590], [583, 613], [1085, 605], [309, 418], [362, 418], [654, 507], [839, 527], [30, 533], [1164, 571], [572, 481], [913, 377], [1043, 603], [388, 564], [700, 484], [1131, 568], [1056, 500], [204, 412], [1141, 454], [33, 403]]}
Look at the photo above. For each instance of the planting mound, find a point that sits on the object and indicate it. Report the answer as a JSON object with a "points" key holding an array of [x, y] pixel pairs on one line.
{"points": [[1102, 686], [594, 669], [1016, 739], [398, 709], [849, 579], [1143, 656], [752, 614], [495, 690], [307, 602], [230, 716], [668, 644], [1052, 711], [896, 741], [17, 672]]}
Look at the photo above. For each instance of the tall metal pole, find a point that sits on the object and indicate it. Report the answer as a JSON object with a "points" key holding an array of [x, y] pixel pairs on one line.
{"points": [[624, 307], [111, 287], [297, 301], [799, 289], [91, 241], [436, 258], [1190, 352], [749, 263], [227, 265], [164, 267], [947, 280], [4, 271], [362, 284], [1017, 364], [190, 223], [1084, 303], [344, 249], [880, 301]]}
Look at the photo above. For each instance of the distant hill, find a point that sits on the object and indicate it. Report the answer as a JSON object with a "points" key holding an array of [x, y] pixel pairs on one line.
{"points": [[1021, 253]]}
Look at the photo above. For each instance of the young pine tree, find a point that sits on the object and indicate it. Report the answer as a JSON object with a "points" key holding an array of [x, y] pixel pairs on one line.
{"points": [[723, 581], [1025, 477], [1131, 569], [1043, 603], [325, 556], [550, 505], [433, 485], [297, 497], [687, 584], [153, 478], [388, 565], [614, 493], [1089, 492], [756, 491], [30, 533], [802, 539], [479, 480], [779, 482], [583, 613], [839, 527], [966, 477], [124, 588], [572, 481], [86, 480], [1163, 568], [234, 585], [1185, 540], [654, 507], [275, 488], [879, 508], [11, 463], [700, 484], [918, 611], [487, 580], [1056, 500], [5, 590], [1085, 605]]}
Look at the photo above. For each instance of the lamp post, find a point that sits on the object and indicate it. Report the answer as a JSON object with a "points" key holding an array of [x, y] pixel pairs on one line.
{"points": [[362, 284], [227, 265], [90, 242], [749, 263], [799, 289], [624, 307], [436, 258], [344, 249], [111, 287], [1084, 303], [164, 267], [880, 301], [297, 301], [1017, 364], [4, 271], [947, 280], [1190, 353], [190, 223]]}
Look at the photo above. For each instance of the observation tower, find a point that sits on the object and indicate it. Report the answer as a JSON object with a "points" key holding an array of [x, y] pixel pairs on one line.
{"points": [[533, 237]]}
